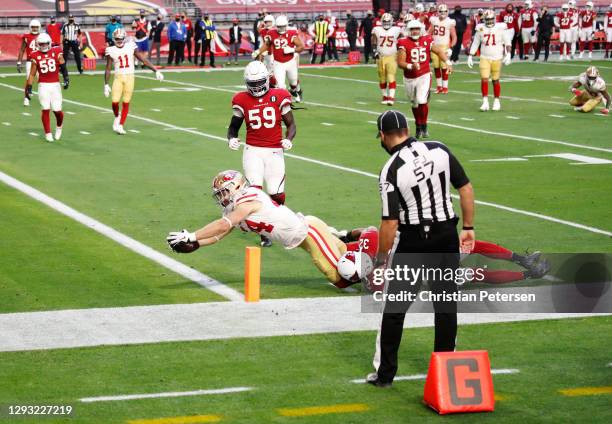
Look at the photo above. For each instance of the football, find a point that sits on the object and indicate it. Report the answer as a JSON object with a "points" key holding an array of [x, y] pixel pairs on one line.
{"points": [[354, 266]]}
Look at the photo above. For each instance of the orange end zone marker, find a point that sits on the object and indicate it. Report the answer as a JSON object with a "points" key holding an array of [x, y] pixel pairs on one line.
{"points": [[252, 270]]}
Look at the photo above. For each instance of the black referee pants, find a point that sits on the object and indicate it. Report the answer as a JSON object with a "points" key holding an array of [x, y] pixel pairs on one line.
{"points": [[440, 250], [74, 46]]}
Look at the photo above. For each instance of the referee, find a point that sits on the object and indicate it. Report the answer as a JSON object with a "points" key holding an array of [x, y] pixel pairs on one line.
{"points": [[71, 40], [418, 230]]}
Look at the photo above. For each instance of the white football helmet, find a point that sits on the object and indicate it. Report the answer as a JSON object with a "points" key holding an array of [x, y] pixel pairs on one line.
{"points": [[572, 4], [386, 20], [268, 21], [408, 17], [43, 42], [419, 7], [489, 18], [226, 185], [257, 78], [443, 11], [354, 266], [592, 73], [589, 5], [281, 24], [414, 29], [528, 4], [119, 37], [34, 26], [565, 7]]}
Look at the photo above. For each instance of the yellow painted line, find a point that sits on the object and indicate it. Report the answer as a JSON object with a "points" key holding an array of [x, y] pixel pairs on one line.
{"points": [[320, 410], [587, 391], [189, 419], [498, 396]]}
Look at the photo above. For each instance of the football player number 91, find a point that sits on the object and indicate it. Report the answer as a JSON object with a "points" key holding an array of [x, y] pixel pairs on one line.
{"points": [[268, 115]]}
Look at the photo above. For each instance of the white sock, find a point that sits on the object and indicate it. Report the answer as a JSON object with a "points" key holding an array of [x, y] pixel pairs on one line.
{"points": [[392, 93], [438, 82], [445, 83], [384, 92]]}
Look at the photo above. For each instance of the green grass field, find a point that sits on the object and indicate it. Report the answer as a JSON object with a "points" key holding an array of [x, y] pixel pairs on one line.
{"points": [[157, 178]]}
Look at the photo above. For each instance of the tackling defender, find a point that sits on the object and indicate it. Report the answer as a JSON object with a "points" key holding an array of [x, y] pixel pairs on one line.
{"points": [[250, 209], [385, 38], [444, 36], [595, 92], [285, 45], [28, 46], [122, 55], [494, 45], [48, 61], [413, 57]]}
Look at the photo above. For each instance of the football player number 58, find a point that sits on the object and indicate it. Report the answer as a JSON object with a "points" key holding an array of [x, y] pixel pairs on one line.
{"points": [[47, 66], [265, 117]]}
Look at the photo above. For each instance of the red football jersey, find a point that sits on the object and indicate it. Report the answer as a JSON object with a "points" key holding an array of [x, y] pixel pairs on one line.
{"points": [[527, 20], [565, 20], [55, 32], [609, 16], [575, 17], [30, 40], [279, 41], [509, 18], [263, 116], [47, 64], [587, 17], [423, 17], [417, 51]]}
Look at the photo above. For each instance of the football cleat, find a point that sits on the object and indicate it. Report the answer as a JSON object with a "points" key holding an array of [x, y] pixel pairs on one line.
{"points": [[485, 105], [424, 132], [539, 269], [419, 132], [384, 100], [444, 90], [529, 260], [265, 242], [120, 130], [116, 123], [49, 137], [578, 108], [390, 101], [439, 90], [581, 55], [496, 104], [26, 101], [58, 133]]}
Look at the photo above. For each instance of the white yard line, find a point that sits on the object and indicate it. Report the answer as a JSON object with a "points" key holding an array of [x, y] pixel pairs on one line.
{"points": [[347, 169], [33, 134], [424, 376], [556, 116], [84, 132], [467, 119], [124, 240], [512, 117], [70, 113], [26, 113], [166, 394], [134, 131], [7, 124], [198, 109], [327, 124]]}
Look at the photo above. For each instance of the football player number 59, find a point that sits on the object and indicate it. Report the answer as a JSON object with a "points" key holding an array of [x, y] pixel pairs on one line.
{"points": [[265, 117]]}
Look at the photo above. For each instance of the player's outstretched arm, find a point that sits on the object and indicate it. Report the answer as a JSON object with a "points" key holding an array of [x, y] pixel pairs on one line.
{"points": [[218, 229], [140, 56]]}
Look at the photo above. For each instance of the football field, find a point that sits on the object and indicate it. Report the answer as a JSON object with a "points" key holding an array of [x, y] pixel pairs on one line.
{"points": [[85, 220]]}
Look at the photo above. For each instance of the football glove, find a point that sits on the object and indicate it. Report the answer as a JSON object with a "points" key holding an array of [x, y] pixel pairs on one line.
{"points": [[107, 90], [507, 59], [159, 76], [28, 91], [376, 55], [577, 92], [288, 50], [605, 111], [286, 143], [184, 236], [19, 67], [470, 62], [234, 143]]}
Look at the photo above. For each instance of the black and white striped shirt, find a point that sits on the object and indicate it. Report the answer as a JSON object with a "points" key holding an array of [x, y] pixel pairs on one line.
{"points": [[415, 183], [71, 31]]}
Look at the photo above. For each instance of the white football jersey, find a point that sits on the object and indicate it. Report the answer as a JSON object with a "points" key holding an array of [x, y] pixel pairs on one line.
{"points": [[123, 57], [441, 30], [594, 88], [386, 40], [276, 222], [491, 40]]}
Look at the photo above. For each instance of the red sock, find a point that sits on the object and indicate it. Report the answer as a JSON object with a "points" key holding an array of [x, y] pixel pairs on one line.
{"points": [[500, 277], [591, 46], [438, 72], [445, 74], [46, 121], [527, 48], [417, 116], [424, 112], [393, 85], [279, 198], [484, 88], [125, 108], [382, 85], [491, 250], [59, 117], [496, 89], [116, 109], [581, 46]]}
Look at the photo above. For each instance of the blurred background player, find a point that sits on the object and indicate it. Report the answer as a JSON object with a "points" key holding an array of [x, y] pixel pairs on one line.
{"points": [[574, 26], [285, 44], [509, 17], [444, 36], [594, 92], [413, 56], [28, 46], [492, 39], [264, 109], [588, 19], [384, 38], [122, 54], [48, 61], [251, 210], [142, 28], [608, 29], [267, 25], [563, 21], [528, 23]]}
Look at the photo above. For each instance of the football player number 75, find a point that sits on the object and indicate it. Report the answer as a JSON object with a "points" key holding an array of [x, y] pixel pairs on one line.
{"points": [[265, 117]]}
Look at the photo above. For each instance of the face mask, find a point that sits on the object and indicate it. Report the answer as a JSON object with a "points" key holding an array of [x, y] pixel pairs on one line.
{"points": [[458, 10], [178, 19]]}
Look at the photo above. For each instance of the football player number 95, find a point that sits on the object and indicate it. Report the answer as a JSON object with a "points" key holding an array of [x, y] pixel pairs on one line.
{"points": [[418, 55], [259, 117]]}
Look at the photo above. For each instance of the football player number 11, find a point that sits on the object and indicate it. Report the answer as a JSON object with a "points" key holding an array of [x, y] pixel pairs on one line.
{"points": [[265, 117], [124, 61]]}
